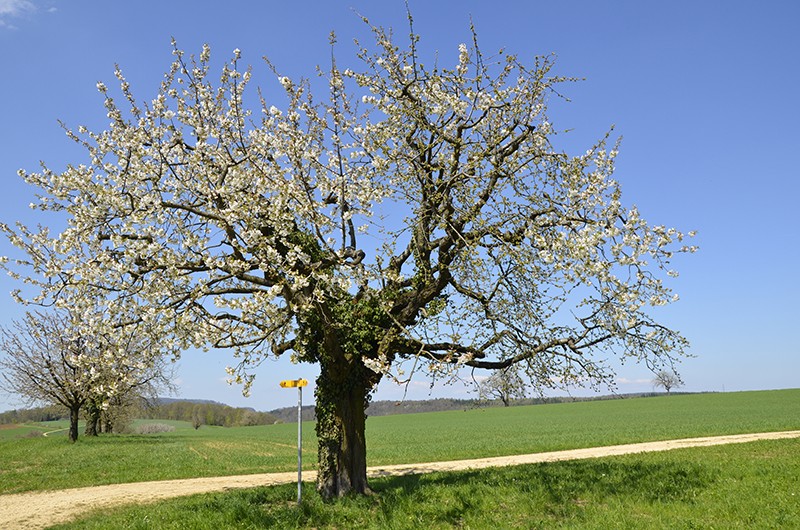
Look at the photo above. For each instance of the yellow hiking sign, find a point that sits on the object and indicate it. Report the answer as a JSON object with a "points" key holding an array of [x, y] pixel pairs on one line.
{"points": [[293, 383]]}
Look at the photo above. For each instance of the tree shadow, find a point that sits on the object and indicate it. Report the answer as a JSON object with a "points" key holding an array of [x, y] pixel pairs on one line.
{"points": [[648, 481], [555, 488], [547, 495]]}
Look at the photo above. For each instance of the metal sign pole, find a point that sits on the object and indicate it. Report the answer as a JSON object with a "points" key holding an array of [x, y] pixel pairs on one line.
{"points": [[299, 383], [299, 444]]}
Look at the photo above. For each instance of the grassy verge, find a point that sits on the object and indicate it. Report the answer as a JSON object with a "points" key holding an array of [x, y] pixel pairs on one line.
{"points": [[53, 463], [754, 485]]}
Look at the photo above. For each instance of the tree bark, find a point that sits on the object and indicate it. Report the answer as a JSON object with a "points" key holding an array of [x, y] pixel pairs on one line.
{"points": [[92, 420], [341, 428], [74, 415]]}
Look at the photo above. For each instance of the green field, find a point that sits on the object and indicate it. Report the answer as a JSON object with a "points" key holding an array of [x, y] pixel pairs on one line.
{"points": [[747, 486], [53, 463], [753, 485]]}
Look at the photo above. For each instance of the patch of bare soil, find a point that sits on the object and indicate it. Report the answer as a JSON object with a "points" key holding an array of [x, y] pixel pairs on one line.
{"points": [[26, 511]]}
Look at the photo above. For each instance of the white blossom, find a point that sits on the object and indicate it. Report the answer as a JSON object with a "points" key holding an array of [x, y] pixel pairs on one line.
{"points": [[438, 195]]}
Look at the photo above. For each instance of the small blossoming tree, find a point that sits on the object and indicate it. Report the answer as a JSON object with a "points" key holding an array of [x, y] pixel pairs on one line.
{"points": [[46, 358], [415, 213]]}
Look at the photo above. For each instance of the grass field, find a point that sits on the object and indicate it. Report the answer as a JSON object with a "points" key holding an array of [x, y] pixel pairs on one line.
{"points": [[53, 463], [753, 485]]}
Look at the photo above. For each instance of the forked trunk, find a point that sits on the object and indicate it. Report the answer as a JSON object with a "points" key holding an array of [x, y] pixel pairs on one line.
{"points": [[341, 423]]}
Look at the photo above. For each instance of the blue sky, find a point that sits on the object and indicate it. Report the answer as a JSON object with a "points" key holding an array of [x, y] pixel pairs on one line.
{"points": [[704, 94]]}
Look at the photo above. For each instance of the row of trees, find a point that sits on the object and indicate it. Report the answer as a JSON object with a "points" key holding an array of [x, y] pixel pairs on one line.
{"points": [[113, 418], [206, 413], [48, 359], [33, 415], [414, 217]]}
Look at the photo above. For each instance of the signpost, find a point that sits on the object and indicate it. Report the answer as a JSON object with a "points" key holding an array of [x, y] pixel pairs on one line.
{"points": [[299, 383]]}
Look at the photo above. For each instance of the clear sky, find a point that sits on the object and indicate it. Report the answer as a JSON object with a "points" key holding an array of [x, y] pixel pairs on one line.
{"points": [[704, 93]]}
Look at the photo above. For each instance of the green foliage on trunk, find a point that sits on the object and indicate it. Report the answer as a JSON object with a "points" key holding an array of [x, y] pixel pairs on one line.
{"points": [[339, 335]]}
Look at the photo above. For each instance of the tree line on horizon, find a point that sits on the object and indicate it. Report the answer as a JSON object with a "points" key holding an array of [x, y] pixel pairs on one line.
{"points": [[197, 413], [208, 413]]}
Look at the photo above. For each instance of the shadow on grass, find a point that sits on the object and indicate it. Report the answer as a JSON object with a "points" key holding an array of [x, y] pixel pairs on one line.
{"points": [[562, 481], [545, 491], [523, 496], [547, 495]]}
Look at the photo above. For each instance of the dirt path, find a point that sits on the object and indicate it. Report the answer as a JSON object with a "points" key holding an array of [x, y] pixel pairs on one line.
{"points": [[26, 511], [46, 434]]}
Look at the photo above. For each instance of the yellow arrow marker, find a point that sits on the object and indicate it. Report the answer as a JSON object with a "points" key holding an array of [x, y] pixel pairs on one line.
{"points": [[292, 383]]}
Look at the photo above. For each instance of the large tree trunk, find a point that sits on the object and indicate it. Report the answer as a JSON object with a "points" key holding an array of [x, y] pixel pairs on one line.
{"points": [[74, 415], [341, 394]]}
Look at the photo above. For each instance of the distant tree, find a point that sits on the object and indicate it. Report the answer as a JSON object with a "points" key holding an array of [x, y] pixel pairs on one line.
{"points": [[42, 363], [416, 211], [197, 420], [115, 414], [135, 384], [47, 360], [666, 380], [505, 385]]}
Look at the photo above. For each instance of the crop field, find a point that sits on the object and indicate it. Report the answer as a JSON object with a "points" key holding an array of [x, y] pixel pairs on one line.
{"points": [[749, 485], [51, 462]]}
